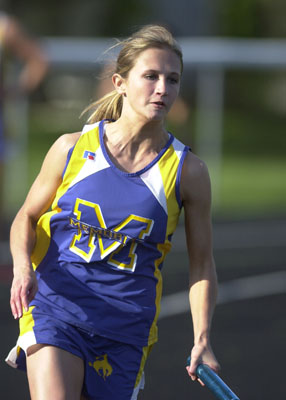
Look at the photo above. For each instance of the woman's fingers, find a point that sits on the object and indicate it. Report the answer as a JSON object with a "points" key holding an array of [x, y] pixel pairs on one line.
{"points": [[22, 293]]}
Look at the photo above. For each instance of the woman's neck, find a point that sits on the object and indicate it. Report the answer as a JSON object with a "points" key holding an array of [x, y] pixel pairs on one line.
{"points": [[133, 146], [127, 133]]}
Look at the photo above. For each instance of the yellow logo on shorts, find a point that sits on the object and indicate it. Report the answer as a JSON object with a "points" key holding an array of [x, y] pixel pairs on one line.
{"points": [[102, 366]]}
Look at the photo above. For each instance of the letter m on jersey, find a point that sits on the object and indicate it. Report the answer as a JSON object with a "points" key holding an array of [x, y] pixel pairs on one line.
{"points": [[99, 242]]}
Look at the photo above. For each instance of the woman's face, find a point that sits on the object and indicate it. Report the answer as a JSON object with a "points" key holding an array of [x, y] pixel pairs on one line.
{"points": [[152, 84]]}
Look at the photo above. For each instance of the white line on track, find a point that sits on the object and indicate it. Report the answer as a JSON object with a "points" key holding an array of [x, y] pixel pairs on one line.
{"points": [[234, 290]]}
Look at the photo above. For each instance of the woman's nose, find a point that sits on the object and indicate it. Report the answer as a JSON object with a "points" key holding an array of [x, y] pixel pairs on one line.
{"points": [[162, 86]]}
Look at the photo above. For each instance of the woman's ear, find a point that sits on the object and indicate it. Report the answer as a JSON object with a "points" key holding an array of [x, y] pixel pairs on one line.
{"points": [[119, 83]]}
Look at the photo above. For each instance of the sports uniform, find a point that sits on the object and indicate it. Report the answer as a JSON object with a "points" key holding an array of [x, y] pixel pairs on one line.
{"points": [[99, 254]]}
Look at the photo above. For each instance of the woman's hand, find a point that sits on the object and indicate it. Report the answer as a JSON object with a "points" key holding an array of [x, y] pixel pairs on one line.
{"points": [[201, 354], [23, 290]]}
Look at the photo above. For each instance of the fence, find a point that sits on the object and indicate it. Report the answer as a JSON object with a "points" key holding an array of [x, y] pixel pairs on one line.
{"points": [[211, 57]]}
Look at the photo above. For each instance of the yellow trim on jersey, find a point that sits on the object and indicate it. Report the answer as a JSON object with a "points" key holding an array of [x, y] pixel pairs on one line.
{"points": [[86, 141], [146, 351], [167, 164], [43, 232], [164, 249], [27, 321]]}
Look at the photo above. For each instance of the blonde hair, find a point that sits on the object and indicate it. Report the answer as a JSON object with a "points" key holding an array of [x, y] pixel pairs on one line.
{"points": [[150, 36]]}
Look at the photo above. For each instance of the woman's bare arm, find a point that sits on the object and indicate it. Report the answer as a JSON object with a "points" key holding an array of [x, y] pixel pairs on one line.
{"points": [[196, 196], [23, 230]]}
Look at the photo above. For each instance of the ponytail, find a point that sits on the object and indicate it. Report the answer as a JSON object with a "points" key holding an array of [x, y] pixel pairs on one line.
{"points": [[107, 107]]}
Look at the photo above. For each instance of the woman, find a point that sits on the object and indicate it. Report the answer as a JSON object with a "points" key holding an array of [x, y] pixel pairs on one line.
{"points": [[87, 273]]}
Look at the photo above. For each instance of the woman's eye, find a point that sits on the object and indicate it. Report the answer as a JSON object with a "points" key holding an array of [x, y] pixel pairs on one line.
{"points": [[150, 76], [173, 80]]}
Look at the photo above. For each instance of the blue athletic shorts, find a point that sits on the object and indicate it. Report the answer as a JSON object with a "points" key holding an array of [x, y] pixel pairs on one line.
{"points": [[113, 370]]}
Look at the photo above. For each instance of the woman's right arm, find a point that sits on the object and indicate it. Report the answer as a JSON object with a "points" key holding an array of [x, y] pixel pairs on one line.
{"points": [[23, 230]]}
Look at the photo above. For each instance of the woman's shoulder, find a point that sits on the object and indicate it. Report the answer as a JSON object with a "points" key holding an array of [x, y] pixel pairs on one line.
{"points": [[194, 167], [67, 140], [64, 143], [195, 177], [60, 148]]}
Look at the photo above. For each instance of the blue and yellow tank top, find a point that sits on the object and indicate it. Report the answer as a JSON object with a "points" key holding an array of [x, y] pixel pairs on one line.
{"points": [[100, 250]]}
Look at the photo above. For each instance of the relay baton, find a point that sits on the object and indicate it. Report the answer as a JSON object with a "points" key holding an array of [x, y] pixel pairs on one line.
{"points": [[213, 382]]}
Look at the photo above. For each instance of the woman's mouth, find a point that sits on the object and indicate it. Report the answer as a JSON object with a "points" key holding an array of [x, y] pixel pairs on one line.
{"points": [[159, 104]]}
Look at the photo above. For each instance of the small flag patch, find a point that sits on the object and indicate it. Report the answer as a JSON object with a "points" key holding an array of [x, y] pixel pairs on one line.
{"points": [[89, 155]]}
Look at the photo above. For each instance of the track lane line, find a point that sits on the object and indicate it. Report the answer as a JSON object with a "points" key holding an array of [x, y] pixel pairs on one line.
{"points": [[234, 290]]}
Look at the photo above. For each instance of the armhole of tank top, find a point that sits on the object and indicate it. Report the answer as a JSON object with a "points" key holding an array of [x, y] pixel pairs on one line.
{"points": [[68, 159], [86, 128], [179, 173]]}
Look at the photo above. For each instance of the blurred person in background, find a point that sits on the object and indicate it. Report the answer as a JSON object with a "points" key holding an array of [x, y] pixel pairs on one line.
{"points": [[87, 274], [16, 43]]}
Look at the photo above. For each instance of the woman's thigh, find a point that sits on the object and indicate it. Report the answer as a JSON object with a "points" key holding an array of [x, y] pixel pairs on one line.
{"points": [[54, 373]]}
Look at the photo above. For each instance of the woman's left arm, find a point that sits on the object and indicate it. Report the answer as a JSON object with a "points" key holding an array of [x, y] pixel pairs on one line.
{"points": [[196, 197]]}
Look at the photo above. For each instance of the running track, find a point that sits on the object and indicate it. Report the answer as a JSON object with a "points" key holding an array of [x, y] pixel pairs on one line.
{"points": [[249, 326]]}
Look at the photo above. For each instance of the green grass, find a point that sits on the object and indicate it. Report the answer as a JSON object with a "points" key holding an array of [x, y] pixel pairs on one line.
{"points": [[252, 187]]}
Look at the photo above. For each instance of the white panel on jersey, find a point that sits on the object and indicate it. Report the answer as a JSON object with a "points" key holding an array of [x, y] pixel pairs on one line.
{"points": [[178, 147], [153, 180], [91, 167], [88, 128]]}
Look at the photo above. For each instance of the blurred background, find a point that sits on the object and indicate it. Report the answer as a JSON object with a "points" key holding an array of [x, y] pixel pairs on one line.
{"points": [[231, 111]]}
